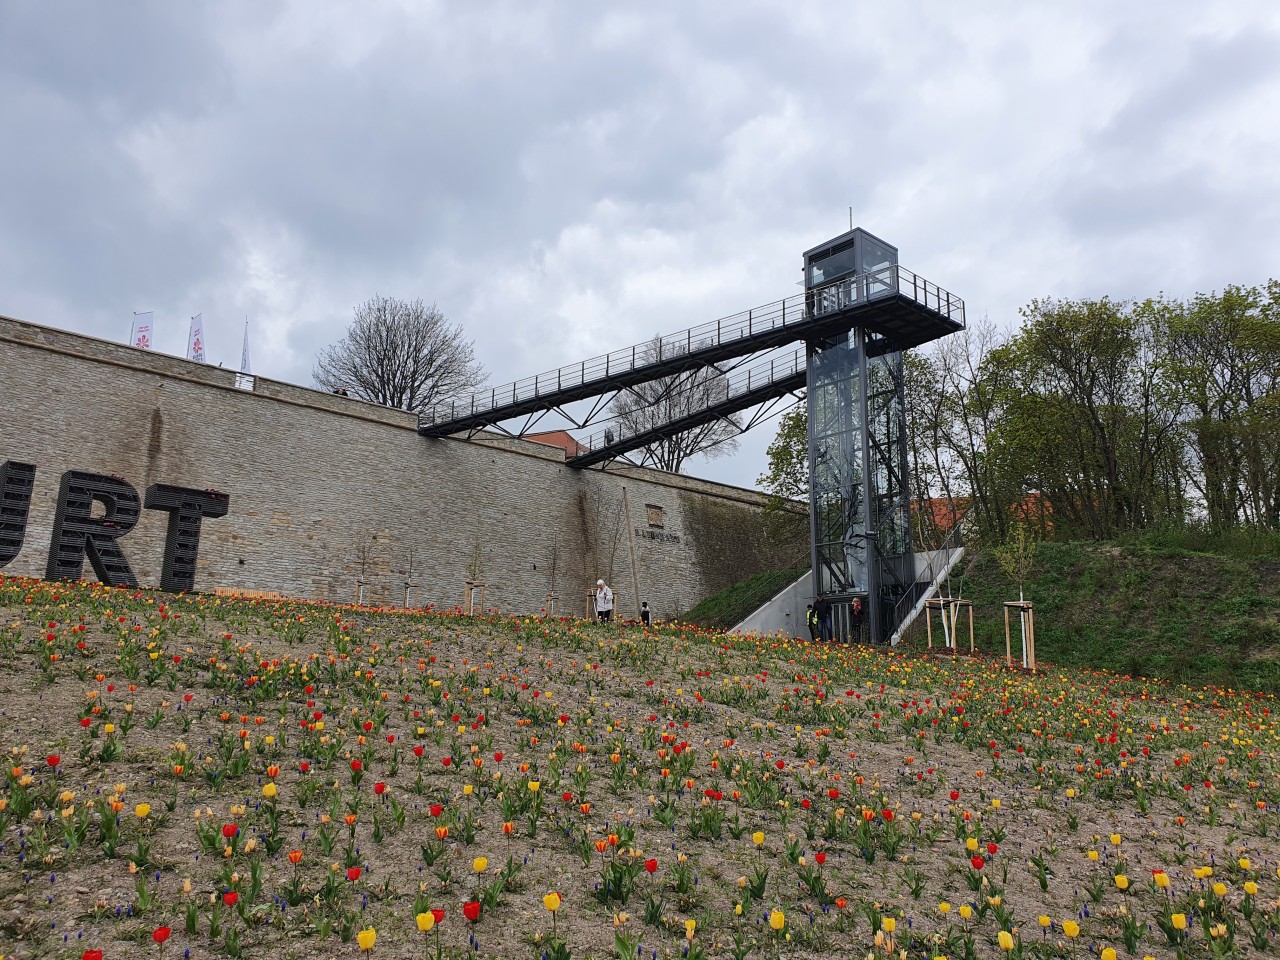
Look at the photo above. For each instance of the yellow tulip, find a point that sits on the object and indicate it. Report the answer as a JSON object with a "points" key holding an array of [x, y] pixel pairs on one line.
{"points": [[777, 919], [888, 924], [480, 864], [269, 791], [1245, 863], [966, 911], [1115, 838], [142, 811], [425, 921], [689, 927], [1092, 854], [467, 789], [534, 786], [1161, 879], [551, 901], [1250, 888], [367, 938], [944, 907], [1122, 882], [1071, 929], [1108, 953], [1220, 888], [1179, 921], [1045, 921], [1006, 940], [758, 838], [995, 804], [971, 844]]}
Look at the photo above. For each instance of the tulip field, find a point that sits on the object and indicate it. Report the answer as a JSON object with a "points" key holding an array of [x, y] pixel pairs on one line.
{"points": [[192, 776]]}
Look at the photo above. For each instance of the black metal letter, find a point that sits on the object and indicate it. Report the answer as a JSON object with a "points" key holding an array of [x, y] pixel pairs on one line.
{"points": [[77, 532], [16, 481], [186, 509]]}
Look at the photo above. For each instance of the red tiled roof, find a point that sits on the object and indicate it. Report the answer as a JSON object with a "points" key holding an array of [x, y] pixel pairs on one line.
{"points": [[558, 438]]}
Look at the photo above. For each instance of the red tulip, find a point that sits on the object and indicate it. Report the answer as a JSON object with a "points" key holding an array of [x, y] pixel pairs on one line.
{"points": [[471, 910], [379, 788], [353, 874], [357, 766], [91, 955], [229, 830], [498, 757], [437, 809], [651, 865], [819, 858], [418, 751], [53, 759], [992, 848], [977, 861], [446, 760], [955, 795], [231, 898], [304, 767], [160, 934], [438, 916]]}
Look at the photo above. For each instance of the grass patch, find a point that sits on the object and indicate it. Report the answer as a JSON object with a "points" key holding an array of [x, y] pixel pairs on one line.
{"points": [[1151, 607], [730, 606]]}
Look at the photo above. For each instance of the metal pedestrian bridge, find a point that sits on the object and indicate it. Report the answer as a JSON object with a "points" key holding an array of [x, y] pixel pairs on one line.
{"points": [[898, 308]]}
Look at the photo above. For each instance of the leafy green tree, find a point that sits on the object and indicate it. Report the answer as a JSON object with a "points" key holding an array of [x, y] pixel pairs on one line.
{"points": [[1222, 364], [1085, 422], [787, 478]]}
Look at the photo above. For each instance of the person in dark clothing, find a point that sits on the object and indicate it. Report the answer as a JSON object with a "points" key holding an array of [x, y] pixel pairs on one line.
{"points": [[645, 616], [822, 607], [811, 621], [855, 620]]}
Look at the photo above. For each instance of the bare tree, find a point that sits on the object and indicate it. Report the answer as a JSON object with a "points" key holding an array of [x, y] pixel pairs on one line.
{"points": [[659, 402], [400, 354]]}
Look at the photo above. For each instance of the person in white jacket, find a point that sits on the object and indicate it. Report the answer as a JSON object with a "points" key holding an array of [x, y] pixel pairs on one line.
{"points": [[604, 602]]}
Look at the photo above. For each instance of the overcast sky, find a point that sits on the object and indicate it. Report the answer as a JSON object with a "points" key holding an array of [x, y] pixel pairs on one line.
{"points": [[563, 179]]}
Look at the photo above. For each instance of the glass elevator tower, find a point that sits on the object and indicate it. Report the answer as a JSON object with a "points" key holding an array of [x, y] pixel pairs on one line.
{"points": [[859, 499]]}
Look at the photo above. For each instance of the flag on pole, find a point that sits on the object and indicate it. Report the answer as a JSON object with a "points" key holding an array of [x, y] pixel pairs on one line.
{"points": [[141, 337], [195, 339], [244, 353]]}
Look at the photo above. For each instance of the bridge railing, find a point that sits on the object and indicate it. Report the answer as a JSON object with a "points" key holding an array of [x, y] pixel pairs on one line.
{"points": [[790, 312], [702, 393]]}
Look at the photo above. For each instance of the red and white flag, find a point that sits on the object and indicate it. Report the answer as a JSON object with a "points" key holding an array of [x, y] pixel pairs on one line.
{"points": [[195, 339], [142, 331]]}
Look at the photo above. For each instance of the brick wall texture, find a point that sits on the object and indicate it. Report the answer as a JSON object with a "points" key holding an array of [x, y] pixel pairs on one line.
{"points": [[323, 487]]}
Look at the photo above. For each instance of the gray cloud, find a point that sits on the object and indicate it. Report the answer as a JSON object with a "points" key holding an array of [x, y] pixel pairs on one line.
{"points": [[564, 179]]}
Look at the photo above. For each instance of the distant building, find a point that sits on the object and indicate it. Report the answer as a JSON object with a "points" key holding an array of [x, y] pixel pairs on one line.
{"points": [[561, 439]]}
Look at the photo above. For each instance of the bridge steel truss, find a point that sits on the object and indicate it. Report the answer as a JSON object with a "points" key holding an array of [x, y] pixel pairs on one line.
{"points": [[902, 310]]}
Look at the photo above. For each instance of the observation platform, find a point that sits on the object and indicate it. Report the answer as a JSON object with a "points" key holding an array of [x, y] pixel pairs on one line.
{"points": [[901, 308]]}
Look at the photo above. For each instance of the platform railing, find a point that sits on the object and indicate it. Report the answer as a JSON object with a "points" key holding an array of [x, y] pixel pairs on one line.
{"points": [[730, 386], [789, 313]]}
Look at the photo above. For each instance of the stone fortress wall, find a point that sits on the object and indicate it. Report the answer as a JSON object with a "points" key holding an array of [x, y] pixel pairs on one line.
{"points": [[320, 488]]}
